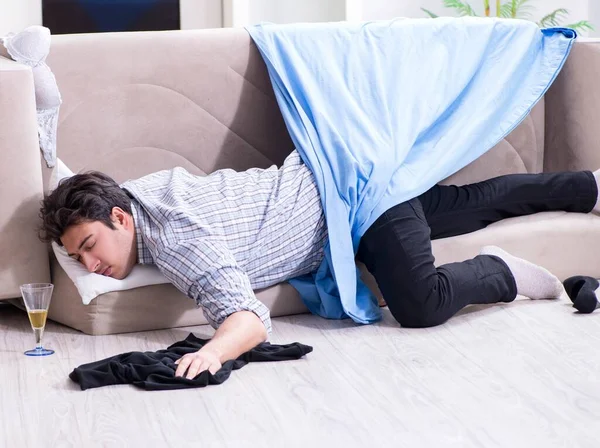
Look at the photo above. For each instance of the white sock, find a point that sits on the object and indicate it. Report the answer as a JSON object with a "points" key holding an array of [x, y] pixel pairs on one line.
{"points": [[533, 281], [597, 206]]}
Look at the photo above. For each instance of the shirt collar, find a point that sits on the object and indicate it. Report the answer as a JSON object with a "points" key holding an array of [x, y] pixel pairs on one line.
{"points": [[139, 220]]}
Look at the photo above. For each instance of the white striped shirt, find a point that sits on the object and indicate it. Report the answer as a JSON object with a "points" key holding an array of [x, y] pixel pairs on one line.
{"points": [[219, 237]]}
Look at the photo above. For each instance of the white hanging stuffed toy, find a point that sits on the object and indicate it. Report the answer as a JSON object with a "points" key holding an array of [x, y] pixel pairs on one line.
{"points": [[31, 47]]}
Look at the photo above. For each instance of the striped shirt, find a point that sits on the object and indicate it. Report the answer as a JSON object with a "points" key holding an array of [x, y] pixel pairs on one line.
{"points": [[219, 237]]}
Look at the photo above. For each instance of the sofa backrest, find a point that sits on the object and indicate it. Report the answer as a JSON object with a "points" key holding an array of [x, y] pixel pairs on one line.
{"points": [[135, 103], [23, 258]]}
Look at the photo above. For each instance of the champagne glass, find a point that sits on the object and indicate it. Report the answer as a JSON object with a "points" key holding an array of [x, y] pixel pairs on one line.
{"points": [[37, 301]]}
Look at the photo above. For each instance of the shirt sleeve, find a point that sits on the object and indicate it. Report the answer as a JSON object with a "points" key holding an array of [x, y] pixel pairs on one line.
{"points": [[207, 272]]}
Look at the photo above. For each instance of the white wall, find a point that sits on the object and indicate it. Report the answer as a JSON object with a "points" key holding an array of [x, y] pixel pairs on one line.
{"points": [[286, 11], [18, 14], [578, 9], [386, 9], [383, 9], [595, 17], [200, 14]]}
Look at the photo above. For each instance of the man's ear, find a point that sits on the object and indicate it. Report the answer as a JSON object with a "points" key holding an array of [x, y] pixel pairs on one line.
{"points": [[120, 216]]}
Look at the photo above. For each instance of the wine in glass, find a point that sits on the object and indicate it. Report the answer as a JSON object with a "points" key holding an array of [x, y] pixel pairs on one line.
{"points": [[37, 301]]}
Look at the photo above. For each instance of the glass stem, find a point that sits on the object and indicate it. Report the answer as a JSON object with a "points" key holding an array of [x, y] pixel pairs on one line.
{"points": [[38, 337]]}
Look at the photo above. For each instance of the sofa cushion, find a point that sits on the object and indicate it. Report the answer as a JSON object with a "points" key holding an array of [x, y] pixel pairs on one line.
{"points": [[146, 308]]}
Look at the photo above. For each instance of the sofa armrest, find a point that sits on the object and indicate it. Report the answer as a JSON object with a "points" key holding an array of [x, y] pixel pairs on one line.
{"points": [[24, 258], [573, 112]]}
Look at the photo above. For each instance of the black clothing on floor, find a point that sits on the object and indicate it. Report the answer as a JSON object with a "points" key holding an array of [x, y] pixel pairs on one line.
{"points": [[396, 249], [156, 370]]}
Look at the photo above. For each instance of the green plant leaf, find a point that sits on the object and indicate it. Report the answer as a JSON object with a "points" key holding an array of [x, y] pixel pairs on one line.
{"points": [[429, 13], [462, 8], [516, 9], [554, 18], [505, 10], [582, 25]]}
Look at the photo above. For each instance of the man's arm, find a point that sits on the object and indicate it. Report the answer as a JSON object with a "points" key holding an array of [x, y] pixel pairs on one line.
{"points": [[207, 272], [240, 332]]}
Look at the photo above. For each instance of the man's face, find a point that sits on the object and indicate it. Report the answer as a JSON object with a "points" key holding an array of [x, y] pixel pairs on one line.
{"points": [[103, 250]]}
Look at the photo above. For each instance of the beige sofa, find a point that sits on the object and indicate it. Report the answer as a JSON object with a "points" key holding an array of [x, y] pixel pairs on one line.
{"points": [[135, 103]]}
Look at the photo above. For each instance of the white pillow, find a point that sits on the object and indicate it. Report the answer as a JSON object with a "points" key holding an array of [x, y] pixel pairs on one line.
{"points": [[59, 172], [90, 285]]}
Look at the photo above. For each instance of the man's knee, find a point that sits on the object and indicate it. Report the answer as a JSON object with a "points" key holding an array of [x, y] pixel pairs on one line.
{"points": [[418, 315]]}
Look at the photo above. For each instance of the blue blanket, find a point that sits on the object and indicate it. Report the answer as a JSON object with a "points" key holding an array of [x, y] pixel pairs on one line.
{"points": [[382, 111]]}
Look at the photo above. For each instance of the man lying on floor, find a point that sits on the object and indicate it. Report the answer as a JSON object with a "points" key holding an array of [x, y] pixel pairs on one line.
{"points": [[219, 237]]}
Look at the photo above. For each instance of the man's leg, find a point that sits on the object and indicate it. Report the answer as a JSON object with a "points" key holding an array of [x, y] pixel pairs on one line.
{"points": [[456, 210], [452, 210], [397, 248]]}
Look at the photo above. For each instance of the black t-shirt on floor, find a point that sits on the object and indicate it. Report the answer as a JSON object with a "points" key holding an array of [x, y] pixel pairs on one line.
{"points": [[156, 370]]}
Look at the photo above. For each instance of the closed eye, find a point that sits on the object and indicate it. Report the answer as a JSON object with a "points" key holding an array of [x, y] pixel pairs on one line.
{"points": [[87, 249], [85, 240]]}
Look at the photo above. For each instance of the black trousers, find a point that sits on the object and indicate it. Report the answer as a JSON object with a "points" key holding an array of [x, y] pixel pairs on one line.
{"points": [[396, 249]]}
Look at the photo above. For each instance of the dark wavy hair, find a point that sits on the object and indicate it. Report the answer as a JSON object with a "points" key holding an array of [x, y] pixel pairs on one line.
{"points": [[80, 198]]}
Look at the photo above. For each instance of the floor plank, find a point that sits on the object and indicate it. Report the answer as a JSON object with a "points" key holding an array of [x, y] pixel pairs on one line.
{"points": [[520, 375]]}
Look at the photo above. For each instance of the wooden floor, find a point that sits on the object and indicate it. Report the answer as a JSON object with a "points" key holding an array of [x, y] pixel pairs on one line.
{"points": [[525, 374]]}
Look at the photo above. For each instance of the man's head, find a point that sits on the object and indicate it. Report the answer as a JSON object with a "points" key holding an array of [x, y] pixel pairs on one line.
{"points": [[90, 215]]}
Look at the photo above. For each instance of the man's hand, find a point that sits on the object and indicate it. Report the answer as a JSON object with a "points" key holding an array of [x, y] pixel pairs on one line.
{"points": [[237, 334], [195, 363]]}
